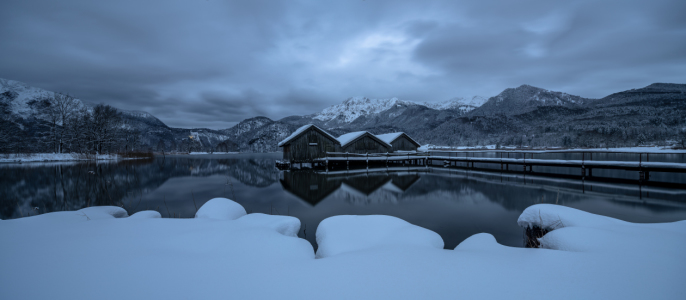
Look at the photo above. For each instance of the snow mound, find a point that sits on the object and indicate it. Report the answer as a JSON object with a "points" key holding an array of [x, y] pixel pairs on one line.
{"points": [[146, 214], [341, 234], [551, 217], [578, 231], [103, 212], [479, 241], [286, 225], [221, 209]]}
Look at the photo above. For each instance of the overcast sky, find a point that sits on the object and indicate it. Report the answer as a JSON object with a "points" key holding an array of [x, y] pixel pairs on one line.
{"points": [[211, 63]]}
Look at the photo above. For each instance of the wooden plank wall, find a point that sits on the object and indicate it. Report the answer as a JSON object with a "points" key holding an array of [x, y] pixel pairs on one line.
{"points": [[301, 150], [402, 143], [366, 145]]}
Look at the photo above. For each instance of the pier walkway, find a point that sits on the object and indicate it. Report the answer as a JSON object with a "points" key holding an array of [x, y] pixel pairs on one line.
{"points": [[511, 161]]}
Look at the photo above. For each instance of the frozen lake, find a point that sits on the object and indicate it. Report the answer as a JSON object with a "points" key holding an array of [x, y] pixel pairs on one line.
{"points": [[452, 202]]}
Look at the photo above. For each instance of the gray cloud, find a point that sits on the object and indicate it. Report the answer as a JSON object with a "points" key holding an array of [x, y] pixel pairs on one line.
{"points": [[213, 63]]}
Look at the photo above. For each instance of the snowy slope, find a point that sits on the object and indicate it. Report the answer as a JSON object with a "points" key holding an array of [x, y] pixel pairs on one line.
{"points": [[20, 95], [463, 104], [354, 107]]}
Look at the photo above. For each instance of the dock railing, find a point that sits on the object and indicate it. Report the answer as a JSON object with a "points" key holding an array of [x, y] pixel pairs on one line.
{"points": [[525, 160]]}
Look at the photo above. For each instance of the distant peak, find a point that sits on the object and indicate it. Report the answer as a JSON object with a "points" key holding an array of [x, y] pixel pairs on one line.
{"points": [[354, 107], [529, 87]]}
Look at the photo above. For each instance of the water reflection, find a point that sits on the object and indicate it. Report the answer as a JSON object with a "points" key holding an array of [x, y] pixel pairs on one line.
{"points": [[456, 203], [355, 187]]}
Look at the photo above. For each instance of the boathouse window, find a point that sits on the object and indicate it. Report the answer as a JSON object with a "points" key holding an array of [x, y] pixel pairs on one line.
{"points": [[313, 144]]}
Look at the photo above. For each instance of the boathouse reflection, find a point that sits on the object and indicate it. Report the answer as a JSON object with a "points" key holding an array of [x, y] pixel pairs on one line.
{"points": [[313, 187]]}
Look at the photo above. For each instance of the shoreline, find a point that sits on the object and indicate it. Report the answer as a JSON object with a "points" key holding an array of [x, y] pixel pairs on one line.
{"points": [[58, 157]]}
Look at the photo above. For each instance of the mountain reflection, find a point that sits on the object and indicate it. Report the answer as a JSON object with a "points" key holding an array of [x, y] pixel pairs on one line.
{"points": [[251, 179]]}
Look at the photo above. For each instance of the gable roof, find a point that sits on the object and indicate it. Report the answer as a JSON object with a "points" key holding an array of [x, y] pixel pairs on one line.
{"points": [[348, 138], [302, 130], [390, 137]]}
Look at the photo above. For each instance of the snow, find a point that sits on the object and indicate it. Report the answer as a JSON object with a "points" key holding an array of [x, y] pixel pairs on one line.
{"points": [[460, 103], [301, 130], [221, 209], [648, 149], [103, 212], [390, 137], [342, 234], [349, 137], [146, 214], [99, 253], [25, 94], [33, 157], [354, 107], [212, 153]]}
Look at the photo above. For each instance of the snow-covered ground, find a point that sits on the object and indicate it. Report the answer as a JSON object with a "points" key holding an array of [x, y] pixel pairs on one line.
{"points": [[224, 253], [646, 149], [31, 157], [208, 153]]}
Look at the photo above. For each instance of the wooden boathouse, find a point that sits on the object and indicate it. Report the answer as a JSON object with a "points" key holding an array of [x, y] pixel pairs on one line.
{"points": [[308, 143], [400, 141], [362, 142]]}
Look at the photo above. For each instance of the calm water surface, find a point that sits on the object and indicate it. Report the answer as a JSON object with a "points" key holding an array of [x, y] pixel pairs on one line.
{"points": [[455, 203]]}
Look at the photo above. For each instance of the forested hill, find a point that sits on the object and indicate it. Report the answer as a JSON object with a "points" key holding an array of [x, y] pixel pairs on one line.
{"points": [[30, 121], [536, 117]]}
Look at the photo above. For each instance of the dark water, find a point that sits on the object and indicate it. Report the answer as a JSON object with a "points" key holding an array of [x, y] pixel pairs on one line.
{"points": [[455, 203]]}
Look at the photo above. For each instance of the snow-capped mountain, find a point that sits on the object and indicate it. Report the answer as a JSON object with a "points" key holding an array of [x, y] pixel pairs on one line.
{"points": [[526, 98], [354, 107], [459, 103], [19, 96]]}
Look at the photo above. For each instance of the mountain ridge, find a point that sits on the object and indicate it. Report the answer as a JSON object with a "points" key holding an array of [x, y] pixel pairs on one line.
{"points": [[524, 115]]}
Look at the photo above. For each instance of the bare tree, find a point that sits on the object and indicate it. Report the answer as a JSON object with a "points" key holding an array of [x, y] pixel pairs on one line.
{"points": [[64, 106], [160, 146], [103, 126], [7, 129]]}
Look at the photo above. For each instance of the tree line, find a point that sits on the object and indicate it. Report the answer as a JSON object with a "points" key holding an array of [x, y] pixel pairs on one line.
{"points": [[63, 124]]}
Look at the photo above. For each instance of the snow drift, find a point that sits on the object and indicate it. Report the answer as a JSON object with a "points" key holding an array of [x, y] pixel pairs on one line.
{"points": [[100, 253]]}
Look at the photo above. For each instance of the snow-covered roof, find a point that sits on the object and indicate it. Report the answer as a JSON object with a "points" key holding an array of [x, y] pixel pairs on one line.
{"points": [[352, 136], [390, 137], [302, 129]]}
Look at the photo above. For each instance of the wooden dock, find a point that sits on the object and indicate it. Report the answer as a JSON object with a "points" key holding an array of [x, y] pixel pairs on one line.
{"points": [[525, 161]]}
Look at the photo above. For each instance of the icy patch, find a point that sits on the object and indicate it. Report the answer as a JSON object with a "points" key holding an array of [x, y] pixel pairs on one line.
{"points": [[341, 234], [221, 209], [146, 214]]}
